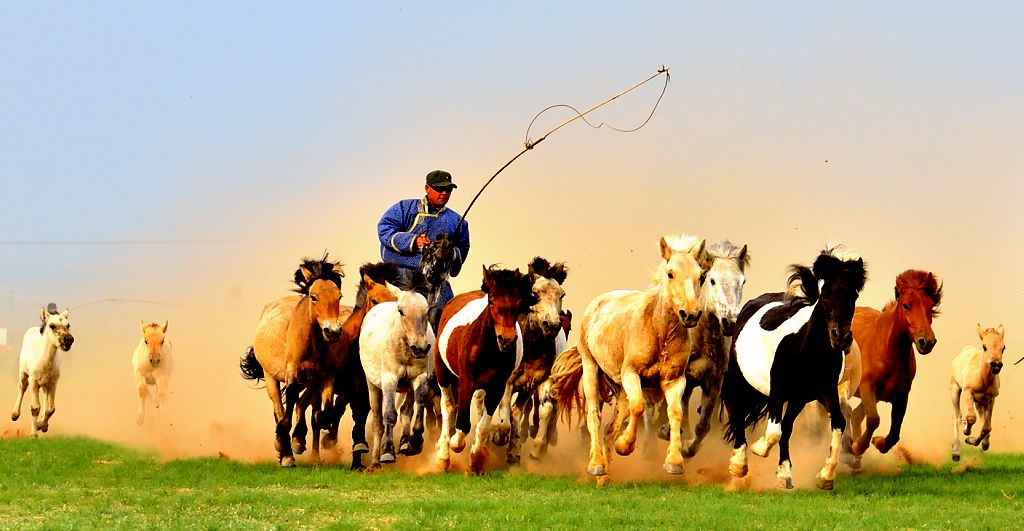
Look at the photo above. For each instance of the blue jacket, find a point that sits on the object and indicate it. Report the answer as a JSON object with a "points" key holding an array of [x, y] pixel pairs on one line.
{"points": [[400, 224]]}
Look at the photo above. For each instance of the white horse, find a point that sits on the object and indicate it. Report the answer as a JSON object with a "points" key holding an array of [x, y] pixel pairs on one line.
{"points": [[976, 370], [393, 345], [152, 365], [39, 364]]}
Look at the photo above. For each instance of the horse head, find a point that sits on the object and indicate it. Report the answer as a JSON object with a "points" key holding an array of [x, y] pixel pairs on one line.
{"points": [[56, 329], [320, 282], [681, 272], [838, 276], [547, 287], [993, 347], [373, 286], [722, 291], [413, 315], [153, 334], [509, 295], [918, 294]]}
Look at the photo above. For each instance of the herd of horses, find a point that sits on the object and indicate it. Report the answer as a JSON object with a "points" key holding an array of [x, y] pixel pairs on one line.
{"points": [[502, 350]]}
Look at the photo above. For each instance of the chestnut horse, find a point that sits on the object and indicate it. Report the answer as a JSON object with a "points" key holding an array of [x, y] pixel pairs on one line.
{"points": [[478, 346], [633, 340], [977, 372], [887, 340], [291, 347], [789, 350]]}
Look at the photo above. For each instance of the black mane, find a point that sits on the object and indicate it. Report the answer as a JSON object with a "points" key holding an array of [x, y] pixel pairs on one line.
{"points": [[322, 269], [540, 266]]}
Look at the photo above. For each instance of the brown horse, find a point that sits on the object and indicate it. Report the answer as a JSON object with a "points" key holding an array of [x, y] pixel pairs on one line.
{"points": [[887, 340], [478, 347], [291, 347], [349, 380], [976, 370]]}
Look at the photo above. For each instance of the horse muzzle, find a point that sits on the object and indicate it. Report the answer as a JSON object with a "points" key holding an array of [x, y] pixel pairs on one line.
{"points": [[154, 361], [728, 326], [505, 342], [996, 366], [924, 345], [331, 333], [689, 319], [420, 351], [840, 341], [65, 343]]}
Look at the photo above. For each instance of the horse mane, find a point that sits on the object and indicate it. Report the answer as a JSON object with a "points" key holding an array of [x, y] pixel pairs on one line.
{"points": [[838, 262], [727, 250], [321, 269], [802, 284], [682, 243], [925, 281], [540, 266], [379, 272], [514, 280]]}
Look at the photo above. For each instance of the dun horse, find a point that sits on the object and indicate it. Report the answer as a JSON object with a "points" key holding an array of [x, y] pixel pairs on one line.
{"points": [[788, 350], [152, 364], [544, 426], [39, 364], [977, 372], [635, 339], [887, 340], [291, 348], [478, 347]]}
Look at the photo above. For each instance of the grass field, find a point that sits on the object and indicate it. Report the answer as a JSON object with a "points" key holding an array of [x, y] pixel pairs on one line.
{"points": [[77, 482]]}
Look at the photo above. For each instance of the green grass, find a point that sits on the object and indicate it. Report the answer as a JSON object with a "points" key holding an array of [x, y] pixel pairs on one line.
{"points": [[77, 482]]}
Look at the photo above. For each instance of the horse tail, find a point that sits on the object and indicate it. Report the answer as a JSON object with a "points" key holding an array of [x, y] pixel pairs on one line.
{"points": [[251, 368], [566, 374]]}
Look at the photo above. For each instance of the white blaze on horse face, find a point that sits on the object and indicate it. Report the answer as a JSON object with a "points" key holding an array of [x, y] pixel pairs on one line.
{"points": [[756, 347], [469, 313]]}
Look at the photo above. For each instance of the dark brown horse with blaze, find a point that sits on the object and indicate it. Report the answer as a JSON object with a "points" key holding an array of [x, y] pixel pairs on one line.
{"points": [[887, 340], [479, 345]]}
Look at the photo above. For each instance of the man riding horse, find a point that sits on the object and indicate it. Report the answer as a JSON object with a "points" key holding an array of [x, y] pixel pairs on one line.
{"points": [[410, 226]]}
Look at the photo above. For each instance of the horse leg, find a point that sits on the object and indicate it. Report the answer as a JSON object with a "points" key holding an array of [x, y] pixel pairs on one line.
{"points": [[418, 398], [314, 423], [33, 389], [518, 421], [376, 425], [626, 442], [954, 394], [330, 424], [502, 420], [899, 410], [301, 430], [51, 394], [673, 390], [738, 468], [442, 454], [22, 387], [826, 477], [773, 432], [986, 426], [291, 396], [972, 414], [546, 408], [592, 394], [359, 402], [493, 399], [844, 406], [708, 402], [466, 397], [870, 407], [784, 474], [143, 389], [986, 429], [389, 388]]}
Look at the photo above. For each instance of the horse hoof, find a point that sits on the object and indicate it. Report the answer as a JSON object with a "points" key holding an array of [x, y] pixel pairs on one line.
{"points": [[623, 447], [738, 471], [14, 416], [850, 460], [443, 464], [984, 445], [672, 468], [785, 483], [298, 448], [956, 457], [737, 484], [824, 484], [328, 442], [760, 448], [536, 455], [44, 428], [880, 444], [597, 470], [360, 448], [387, 458], [288, 462], [513, 459], [973, 441]]}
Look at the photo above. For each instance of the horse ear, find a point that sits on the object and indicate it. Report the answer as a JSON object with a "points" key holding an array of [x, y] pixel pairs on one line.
{"points": [[395, 292], [306, 273], [337, 269], [165, 326], [1000, 330], [700, 250], [981, 332], [368, 281], [66, 312], [666, 251], [43, 314], [559, 272], [896, 292], [143, 323]]}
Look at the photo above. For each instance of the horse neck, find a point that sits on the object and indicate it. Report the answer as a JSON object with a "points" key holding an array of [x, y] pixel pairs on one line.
{"points": [[51, 350], [354, 322], [535, 343], [985, 375], [708, 341], [897, 340], [664, 318], [300, 328]]}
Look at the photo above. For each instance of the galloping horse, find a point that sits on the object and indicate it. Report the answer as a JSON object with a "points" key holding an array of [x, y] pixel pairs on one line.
{"points": [[478, 347], [542, 335], [721, 296], [291, 348], [887, 340], [152, 363], [544, 425], [788, 350], [637, 339], [977, 372], [393, 347], [39, 364]]}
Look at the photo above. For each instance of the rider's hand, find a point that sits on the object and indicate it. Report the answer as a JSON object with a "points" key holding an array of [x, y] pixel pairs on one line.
{"points": [[422, 241]]}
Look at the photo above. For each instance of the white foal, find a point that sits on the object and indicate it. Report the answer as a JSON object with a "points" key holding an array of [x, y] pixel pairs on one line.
{"points": [[39, 365]]}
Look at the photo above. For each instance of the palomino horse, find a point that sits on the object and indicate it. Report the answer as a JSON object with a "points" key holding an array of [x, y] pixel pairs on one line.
{"points": [[152, 364], [541, 328], [634, 339], [977, 372], [291, 348], [788, 350], [478, 347], [393, 347], [349, 379], [887, 340], [721, 298], [39, 364]]}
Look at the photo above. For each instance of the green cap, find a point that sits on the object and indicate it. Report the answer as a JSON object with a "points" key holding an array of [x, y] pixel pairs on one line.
{"points": [[440, 179]]}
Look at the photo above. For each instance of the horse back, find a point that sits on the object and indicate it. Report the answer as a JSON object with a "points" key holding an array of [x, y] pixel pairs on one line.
{"points": [[271, 333], [32, 359], [444, 364]]}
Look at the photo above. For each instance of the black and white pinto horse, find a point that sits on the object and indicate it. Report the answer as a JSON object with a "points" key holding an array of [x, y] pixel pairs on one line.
{"points": [[788, 350]]}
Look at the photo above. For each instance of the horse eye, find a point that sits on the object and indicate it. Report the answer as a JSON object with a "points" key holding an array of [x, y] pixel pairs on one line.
{"points": [[53, 327], [401, 312], [146, 341], [563, 296], [671, 276], [984, 347], [161, 342], [374, 301], [313, 298], [906, 306], [712, 282]]}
